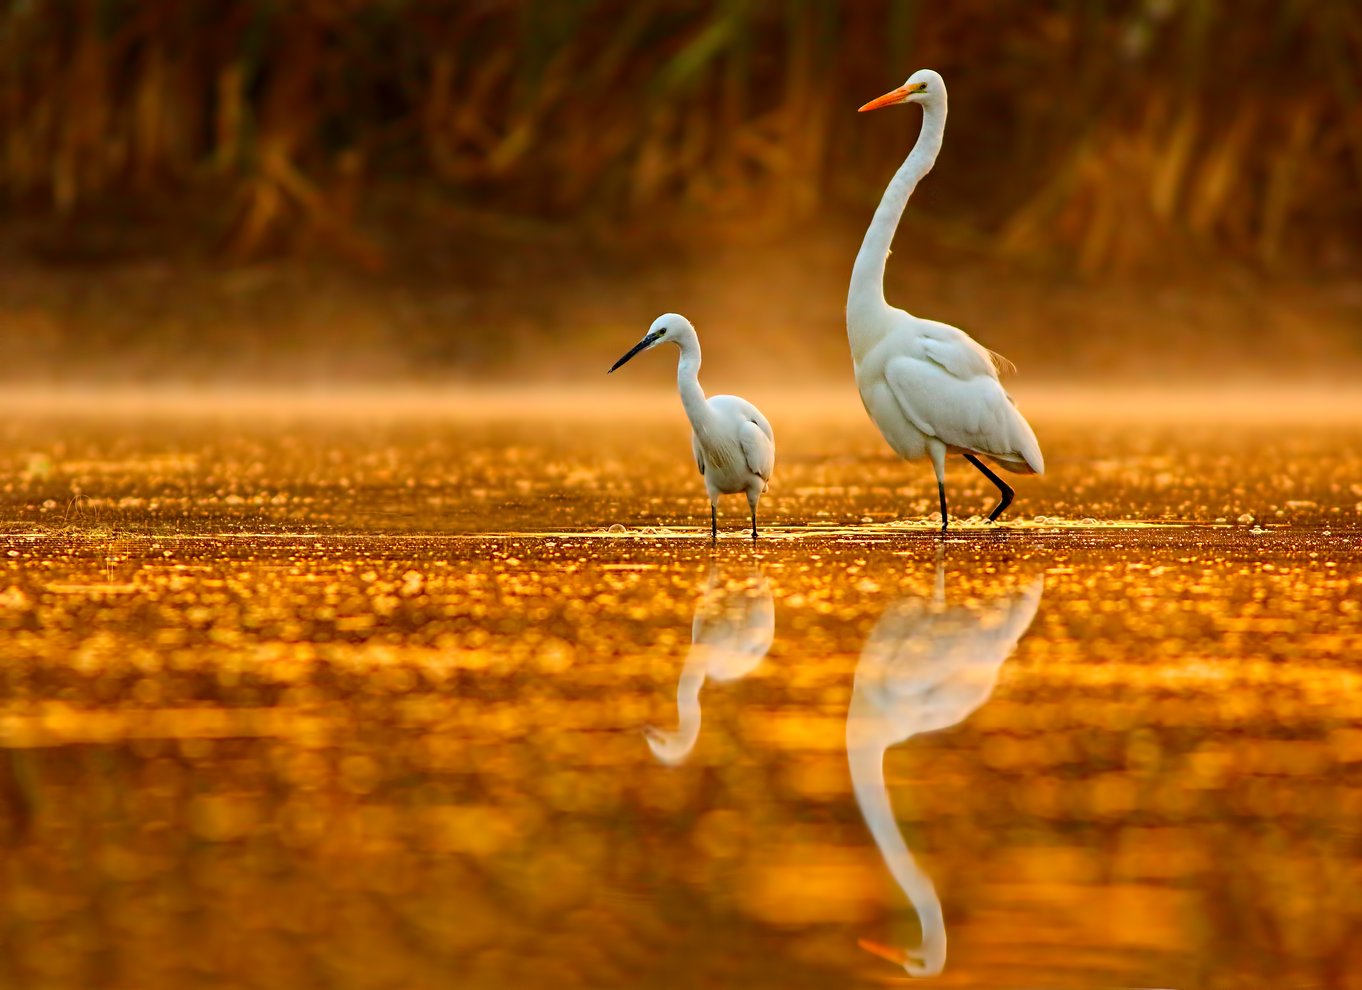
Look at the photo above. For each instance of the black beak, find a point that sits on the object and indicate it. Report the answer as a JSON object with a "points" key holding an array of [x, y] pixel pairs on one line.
{"points": [[645, 342]]}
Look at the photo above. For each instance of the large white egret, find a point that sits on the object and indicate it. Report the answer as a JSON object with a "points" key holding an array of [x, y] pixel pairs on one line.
{"points": [[733, 445], [930, 388], [925, 666], [730, 634]]}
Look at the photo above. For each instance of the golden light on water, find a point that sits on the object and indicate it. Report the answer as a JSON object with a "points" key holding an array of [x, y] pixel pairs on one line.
{"points": [[263, 720]]}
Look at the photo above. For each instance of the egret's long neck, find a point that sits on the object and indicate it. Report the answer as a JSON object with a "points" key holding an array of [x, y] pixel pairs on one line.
{"points": [[865, 758], [688, 695], [865, 298], [674, 747], [688, 384]]}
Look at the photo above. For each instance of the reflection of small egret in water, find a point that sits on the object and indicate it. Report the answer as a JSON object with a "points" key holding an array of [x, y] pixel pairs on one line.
{"points": [[732, 631], [925, 666], [733, 445]]}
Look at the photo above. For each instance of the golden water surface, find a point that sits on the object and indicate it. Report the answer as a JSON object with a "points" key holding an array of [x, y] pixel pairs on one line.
{"points": [[385, 695]]}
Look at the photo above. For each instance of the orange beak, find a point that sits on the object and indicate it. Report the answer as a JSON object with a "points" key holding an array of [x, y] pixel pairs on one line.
{"points": [[887, 100], [896, 956]]}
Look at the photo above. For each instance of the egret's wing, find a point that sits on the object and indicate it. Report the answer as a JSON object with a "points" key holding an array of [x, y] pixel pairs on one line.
{"points": [[699, 454], [956, 351], [754, 434], [970, 413], [762, 423], [758, 448], [740, 409], [925, 668]]}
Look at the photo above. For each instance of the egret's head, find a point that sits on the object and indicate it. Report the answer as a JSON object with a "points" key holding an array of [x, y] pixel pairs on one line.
{"points": [[669, 328], [923, 86], [929, 960], [672, 748]]}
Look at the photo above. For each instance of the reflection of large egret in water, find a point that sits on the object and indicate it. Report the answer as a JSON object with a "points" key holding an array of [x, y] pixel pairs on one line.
{"points": [[733, 629], [926, 665]]}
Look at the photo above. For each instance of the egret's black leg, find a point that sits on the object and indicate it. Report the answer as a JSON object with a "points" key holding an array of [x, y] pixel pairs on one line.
{"points": [[713, 523], [941, 490], [1004, 489], [754, 524]]}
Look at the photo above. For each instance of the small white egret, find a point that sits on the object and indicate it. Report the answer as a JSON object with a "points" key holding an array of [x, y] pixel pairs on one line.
{"points": [[925, 666], [731, 633], [930, 388], [733, 445]]}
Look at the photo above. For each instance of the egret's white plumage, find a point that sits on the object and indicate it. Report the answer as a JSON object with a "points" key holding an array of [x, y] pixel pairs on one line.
{"points": [[731, 633], [925, 666], [731, 440], [930, 388]]}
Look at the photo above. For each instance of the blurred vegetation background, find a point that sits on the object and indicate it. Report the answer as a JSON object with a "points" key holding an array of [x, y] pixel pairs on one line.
{"points": [[382, 188]]}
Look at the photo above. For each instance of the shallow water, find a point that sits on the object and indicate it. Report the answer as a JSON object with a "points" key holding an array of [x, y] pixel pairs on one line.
{"points": [[365, 698]]}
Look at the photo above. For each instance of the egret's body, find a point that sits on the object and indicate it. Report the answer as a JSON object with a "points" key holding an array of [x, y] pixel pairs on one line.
{"points": [[930, 388], [731, 440], [925, 666], [731, 633]]}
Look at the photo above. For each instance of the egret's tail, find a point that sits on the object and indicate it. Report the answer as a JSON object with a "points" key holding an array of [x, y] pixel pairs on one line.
{"points": [[1027, 458]]}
